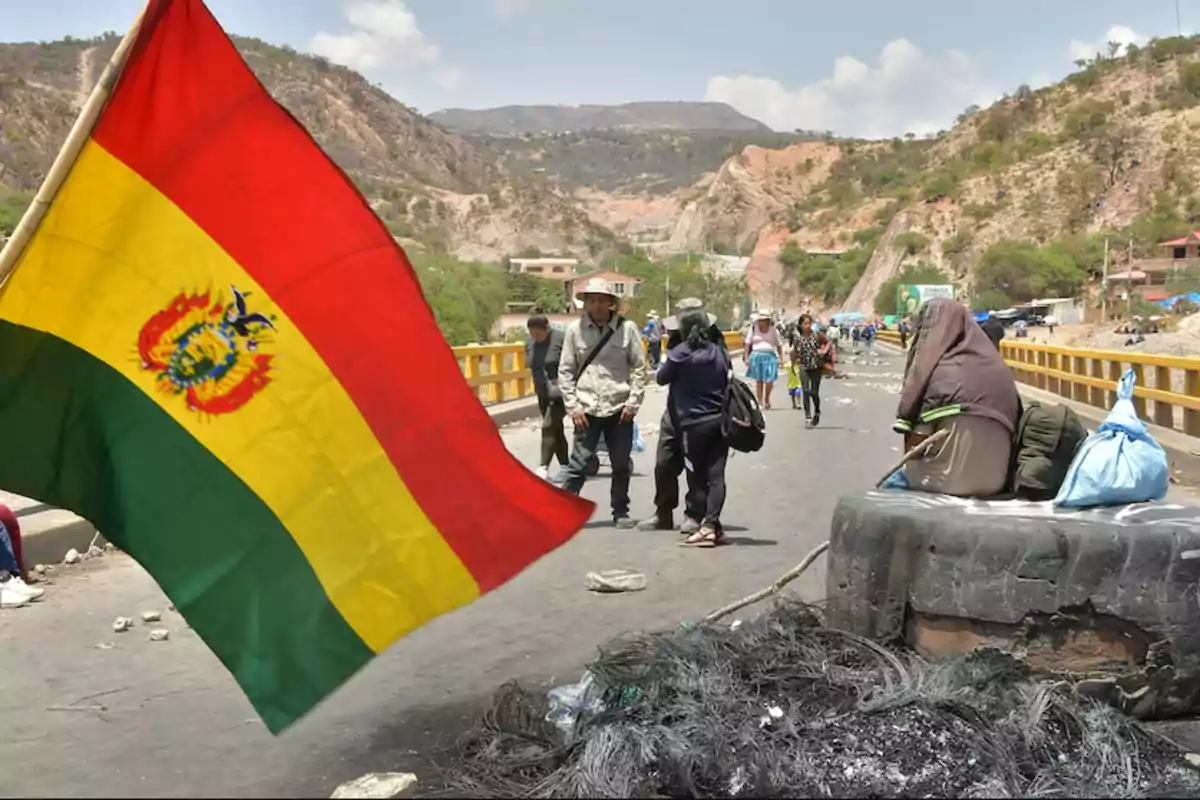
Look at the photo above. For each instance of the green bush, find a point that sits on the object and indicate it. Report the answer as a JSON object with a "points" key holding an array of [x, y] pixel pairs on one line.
{"points": [[1022, 271], [921, 272], [911, 242], [867, 237]]}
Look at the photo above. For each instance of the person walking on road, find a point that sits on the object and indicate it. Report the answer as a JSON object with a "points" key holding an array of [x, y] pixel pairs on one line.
{"points": [[811, 351], [763, 355], [654, 337], [697, 370], [834, 333], [602, 376], [543, 351], [668, 461]]}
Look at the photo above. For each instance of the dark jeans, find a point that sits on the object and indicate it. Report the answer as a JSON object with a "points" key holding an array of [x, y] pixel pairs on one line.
{"points": [[619, 438], [668, 466], [654, 354], [810, 382], [706, 449], [554, 438]]}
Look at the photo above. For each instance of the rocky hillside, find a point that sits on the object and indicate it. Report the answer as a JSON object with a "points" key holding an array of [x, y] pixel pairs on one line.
{"points": [[664, 116], [620, 161], [1113, 149], [432, 187]]}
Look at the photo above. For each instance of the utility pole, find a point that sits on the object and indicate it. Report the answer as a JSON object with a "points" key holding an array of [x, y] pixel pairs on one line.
{"points": [[1129, 284], [1104, 287]]}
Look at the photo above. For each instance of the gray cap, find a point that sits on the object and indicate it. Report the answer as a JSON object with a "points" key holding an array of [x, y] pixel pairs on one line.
{"points": [[684, 306]]}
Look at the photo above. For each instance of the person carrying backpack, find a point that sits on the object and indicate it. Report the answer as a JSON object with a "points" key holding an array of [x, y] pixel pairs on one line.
{"points": [[602, 377], [668, 456], [698, 371]]}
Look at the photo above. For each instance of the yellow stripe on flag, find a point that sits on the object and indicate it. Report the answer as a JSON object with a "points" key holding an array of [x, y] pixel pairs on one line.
{"points": [[112, 253]]}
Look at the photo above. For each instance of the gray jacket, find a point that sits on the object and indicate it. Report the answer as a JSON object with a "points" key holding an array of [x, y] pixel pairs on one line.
{"points": [[616, 378]]}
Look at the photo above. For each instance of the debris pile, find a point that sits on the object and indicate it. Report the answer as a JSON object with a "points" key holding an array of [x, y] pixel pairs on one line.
{"points": [[781, 706]]}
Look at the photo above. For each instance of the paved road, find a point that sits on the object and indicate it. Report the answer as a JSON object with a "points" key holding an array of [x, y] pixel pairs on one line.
{"points": [[86, 712], [174, 723]]}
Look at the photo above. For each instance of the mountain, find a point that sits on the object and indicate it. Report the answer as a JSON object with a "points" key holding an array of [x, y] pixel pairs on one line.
{"points": [[432, 187], [651, 116], [1013, 202]]}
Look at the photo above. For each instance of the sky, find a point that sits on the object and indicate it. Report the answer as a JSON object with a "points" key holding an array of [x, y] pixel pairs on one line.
{"points": [[857, 67]]}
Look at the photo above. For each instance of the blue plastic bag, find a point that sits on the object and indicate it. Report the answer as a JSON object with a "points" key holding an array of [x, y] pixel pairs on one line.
{"points": [[1118, 464], [639, 444]]}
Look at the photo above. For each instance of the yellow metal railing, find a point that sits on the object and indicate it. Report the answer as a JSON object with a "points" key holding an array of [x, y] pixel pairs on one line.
{"points": [[1170, 384], [498, 372]]}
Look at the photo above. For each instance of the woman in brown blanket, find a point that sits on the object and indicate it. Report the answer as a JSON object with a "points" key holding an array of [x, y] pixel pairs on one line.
{"points": [[955, 379]]}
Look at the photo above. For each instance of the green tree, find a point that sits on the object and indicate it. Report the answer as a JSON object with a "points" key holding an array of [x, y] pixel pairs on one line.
{"points": [[911, 242], [1022, 271], [791, 255], [466, 297], [12, 208], [1184, 281], [990, 300], [918, 273]]}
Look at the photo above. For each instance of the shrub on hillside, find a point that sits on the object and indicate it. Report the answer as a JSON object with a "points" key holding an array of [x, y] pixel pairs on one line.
{"points": [[1022, 271], [919, 273], [911, 242]]}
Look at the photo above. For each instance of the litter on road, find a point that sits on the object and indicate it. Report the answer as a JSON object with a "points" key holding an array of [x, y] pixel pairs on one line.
{"points": [[611, 581]]}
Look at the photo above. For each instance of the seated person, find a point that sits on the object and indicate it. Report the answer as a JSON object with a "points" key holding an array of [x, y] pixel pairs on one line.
{"points": [[955, 379]]}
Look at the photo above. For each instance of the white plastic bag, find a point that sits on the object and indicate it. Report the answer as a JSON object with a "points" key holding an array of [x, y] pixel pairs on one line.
{"points": [[569, 703], [1120, 463]]}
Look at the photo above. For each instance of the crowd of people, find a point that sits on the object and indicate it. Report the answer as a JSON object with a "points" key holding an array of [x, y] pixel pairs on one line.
{"points": [[595, 373]]}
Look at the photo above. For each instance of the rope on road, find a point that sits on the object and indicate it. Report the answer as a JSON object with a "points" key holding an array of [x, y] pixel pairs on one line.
{"points": [[795, 572]]}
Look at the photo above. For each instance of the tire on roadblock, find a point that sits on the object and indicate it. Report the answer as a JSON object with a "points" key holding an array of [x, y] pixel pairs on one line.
{"points": [[1104, 598]]}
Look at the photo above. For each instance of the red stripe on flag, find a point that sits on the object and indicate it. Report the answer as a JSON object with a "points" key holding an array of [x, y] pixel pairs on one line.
{"points": [[190, 117]]}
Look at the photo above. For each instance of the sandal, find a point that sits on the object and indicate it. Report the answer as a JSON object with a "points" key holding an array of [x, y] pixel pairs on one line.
{"points": [[705, 537]]}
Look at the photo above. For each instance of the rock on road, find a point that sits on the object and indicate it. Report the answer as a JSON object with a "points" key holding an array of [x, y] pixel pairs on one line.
{"points": [[88, 712]]}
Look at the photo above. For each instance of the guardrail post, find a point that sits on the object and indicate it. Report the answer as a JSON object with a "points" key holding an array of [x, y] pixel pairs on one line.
{"points": [[1191, 417], [1079, 391], [1140, 402], [521, 385], [471, 369], [1114, 375], [1059, 387], [495, 391], [1041, 360], [1164, 413], [1095, 393]]}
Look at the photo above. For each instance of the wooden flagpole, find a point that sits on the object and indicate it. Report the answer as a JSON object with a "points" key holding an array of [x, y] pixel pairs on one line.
{"points": [[66, 157]]}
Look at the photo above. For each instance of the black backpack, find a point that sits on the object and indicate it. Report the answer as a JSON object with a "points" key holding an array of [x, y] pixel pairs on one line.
{"points": [[742, 421], [1044, 445]]}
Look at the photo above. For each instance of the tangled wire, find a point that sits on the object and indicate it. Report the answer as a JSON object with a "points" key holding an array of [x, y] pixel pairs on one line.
{"points": [[783, 707]]}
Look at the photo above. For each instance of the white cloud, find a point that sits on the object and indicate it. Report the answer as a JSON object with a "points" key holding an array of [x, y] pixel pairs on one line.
{"points": [[507, 9], [1123, 35], [906, 91], [448, 78], [383, 34]]}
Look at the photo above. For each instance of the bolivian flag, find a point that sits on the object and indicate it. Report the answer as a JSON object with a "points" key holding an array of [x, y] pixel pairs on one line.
{"points": [[213, 350]]}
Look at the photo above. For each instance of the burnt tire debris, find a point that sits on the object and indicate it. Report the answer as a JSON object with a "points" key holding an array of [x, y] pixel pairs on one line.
{"points": [[783, 706]]}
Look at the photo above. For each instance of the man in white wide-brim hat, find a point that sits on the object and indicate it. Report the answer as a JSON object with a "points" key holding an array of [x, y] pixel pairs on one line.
{"points": [[602, 375]]}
